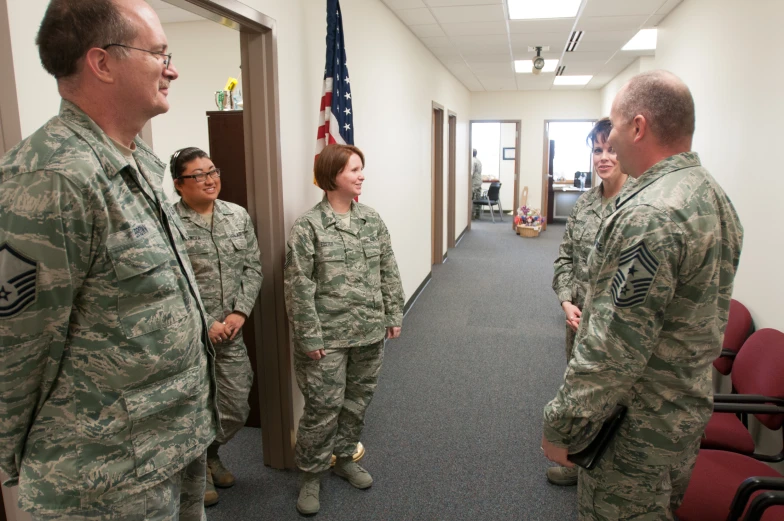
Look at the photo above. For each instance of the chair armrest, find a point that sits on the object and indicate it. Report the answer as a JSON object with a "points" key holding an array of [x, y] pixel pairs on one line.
{"points": [[748, 408], [728, 353], [746, 398], [749, 487], [763, 502]]}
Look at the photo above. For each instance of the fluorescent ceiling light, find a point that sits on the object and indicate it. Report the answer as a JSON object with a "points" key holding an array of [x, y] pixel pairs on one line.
{"points": [[571, 80], [644, 40], [535, 9], [525, 66]]}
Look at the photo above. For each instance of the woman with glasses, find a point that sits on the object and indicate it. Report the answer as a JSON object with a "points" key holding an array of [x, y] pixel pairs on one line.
{"points": [[224, 253]]}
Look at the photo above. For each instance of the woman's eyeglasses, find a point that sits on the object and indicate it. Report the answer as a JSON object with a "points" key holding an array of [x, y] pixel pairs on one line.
{"points": [[200, 178]]}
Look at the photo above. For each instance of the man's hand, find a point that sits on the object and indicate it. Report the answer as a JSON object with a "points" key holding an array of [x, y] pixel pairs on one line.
{"points": [[556, 454], [572, 313], [393, 332], [318, 354], [234, 322], [218, 332]]}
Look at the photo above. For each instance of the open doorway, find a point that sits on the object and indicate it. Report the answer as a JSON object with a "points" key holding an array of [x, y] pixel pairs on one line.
{"points": [[497, 145], [567, 171], [437, 186]]}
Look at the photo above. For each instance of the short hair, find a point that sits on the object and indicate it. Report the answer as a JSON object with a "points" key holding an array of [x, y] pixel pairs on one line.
{"points": [[474, 152], [182, 157], [601, 129], [665, 102], [331, 161], [70, 28]]}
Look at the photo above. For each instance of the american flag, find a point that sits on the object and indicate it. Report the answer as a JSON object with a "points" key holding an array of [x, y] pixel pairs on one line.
{"points": [[336, 121]]}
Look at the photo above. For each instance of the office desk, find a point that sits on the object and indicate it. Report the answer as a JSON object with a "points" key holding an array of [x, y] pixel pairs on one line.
{"points": [[565, 197]]}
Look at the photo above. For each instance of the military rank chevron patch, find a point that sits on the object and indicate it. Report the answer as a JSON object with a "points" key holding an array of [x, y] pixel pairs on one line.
{"points": [[636, 271], [18, 278]]}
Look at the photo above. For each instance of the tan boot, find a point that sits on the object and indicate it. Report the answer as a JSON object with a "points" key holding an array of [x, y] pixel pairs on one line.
{"points": [[348, 469], [210, 494], [221, 476], [562, 476], [308, 500]]}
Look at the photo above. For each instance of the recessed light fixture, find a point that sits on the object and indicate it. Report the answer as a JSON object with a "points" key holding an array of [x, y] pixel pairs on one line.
{"points": [[537, 9], [524, 66], [644, 40], [571, 80]]}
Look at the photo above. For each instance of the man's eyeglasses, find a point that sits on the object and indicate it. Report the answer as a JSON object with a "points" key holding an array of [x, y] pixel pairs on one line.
{"points": [[167, 58], [200, 178]]}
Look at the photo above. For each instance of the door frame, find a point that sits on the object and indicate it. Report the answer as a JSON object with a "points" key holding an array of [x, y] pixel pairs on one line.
{"points": [[259, 58], [546, 160], [452, 179], [518, 140], [437, 185], [10, 119]]}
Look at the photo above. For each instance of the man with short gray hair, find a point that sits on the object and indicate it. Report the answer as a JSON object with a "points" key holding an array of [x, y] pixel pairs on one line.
{"points": [[107, 401], [662, 268]]}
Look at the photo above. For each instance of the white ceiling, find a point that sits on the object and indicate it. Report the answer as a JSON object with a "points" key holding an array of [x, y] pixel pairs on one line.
{"points": [[477, 42], [170, 14]]}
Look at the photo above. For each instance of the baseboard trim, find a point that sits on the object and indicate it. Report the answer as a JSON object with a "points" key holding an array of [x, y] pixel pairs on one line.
{"points": [[416, 294], [460, 237]]}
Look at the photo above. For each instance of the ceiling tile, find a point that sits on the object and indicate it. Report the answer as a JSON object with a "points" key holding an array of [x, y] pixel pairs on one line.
{"points": [[461, 70], [471, 83], [590, 56], [427, 31], [485, 48], [531, 82], [474, 28], [668, 6], [621, 7], [470, 41], [653, 21], [597, 46], [610, 23], [617, 37], [404, 4], [437, 41], [473, 13], [556, 41], [488, 58], [492, 69], [452, 61], [453, 3], [581, 68], [416, 16], [498, 83], [449, 51], [560, 25]]}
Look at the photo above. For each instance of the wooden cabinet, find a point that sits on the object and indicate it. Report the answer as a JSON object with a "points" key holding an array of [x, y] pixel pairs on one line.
{"points": [[227, 151]]}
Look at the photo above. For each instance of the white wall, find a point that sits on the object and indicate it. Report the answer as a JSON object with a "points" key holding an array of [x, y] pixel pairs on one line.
{"points": [[533, 108], [736, 90], [205, 54]]}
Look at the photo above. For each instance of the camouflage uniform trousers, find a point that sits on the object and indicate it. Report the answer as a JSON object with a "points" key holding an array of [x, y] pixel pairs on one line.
{"points": [[234, 377], [622, 488], [570, 337], [337, 390], [476, 194], [179, 498]]}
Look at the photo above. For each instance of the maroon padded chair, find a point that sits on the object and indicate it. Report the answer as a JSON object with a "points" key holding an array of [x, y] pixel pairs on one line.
{"points": [[758, 372], [739, 327], [715, 482]]}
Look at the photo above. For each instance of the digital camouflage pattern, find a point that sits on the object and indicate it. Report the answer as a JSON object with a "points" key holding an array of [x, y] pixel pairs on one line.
{"points": [[342, 285], [227, 264], [570, 279], [105, 381], [476, 175], [338, 390], [178, 498], [342, 290], [661, 275]]}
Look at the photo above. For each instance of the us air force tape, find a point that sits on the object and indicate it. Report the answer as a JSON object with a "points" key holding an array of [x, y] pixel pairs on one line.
{"points": [[636, 270]]}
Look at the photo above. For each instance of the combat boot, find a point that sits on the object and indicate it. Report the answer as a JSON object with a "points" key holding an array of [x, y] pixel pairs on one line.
{"points": [[221, 476], [309, 488], [210, 494], [349, 469], [562, 476]]}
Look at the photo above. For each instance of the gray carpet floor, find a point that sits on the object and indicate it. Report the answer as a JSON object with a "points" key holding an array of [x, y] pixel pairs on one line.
{"points": [[455, 427]]}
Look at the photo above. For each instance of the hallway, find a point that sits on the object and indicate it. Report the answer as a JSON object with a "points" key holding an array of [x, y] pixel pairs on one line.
{"points": [[455, 427]]}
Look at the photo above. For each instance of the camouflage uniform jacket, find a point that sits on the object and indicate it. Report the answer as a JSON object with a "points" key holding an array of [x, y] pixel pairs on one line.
{"points": [[476, 174], [342, 285], [570, 281], [661, 278], [105, 380], [225, 258]]}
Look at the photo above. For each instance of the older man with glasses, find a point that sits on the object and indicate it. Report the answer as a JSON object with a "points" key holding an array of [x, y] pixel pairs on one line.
{"points": [[107, 399]]}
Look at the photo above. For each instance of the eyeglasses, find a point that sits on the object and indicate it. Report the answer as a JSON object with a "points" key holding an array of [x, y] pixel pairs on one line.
{"points": [[200, 178], [167, 58]]}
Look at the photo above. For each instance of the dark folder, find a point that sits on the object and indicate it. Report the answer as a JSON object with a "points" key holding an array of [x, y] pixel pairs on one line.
{"points": [[589, 457]]}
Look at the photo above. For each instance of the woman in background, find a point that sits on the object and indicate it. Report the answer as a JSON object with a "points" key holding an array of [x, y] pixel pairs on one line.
{"points": [[570, 281], [224, 253]]}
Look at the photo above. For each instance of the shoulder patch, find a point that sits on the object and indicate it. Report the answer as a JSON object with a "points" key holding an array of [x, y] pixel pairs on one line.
{"points": [[636, 270], [18, 280]]}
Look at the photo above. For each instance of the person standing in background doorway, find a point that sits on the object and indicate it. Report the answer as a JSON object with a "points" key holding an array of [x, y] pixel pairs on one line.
{"points": [[224, 252], [476, 183]]}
